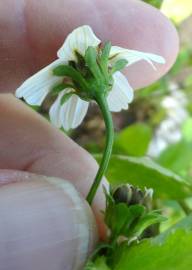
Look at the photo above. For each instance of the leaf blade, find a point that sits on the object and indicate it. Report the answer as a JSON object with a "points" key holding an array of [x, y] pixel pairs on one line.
{"points": [[170, 250], [143, 172]]}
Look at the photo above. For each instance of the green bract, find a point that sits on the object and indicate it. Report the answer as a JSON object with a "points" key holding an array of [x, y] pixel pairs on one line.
{"points": [[129, 218], [91, 75]]}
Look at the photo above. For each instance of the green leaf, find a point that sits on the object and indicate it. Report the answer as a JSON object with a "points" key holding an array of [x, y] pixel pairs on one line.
{"points": [[170, 250], [119, 65], [143, 172], [178, 158], [133, 140]]}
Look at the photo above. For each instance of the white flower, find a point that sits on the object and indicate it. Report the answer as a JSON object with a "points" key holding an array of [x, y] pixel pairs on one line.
{"points": [[71, 113]]}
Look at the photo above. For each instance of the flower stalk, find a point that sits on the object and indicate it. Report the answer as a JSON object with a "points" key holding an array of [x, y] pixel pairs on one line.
{"points": [[102, 102]]}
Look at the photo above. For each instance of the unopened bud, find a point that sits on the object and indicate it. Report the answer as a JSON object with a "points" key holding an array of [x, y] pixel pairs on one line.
{"points": [[123, 194], [133, 195]]}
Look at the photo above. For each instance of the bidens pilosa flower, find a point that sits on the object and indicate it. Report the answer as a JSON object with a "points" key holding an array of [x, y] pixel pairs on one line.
{"points": [[84, 67], [86, 70]]}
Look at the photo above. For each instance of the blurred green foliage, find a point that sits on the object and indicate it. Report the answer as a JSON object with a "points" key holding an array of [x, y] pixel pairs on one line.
{"points": [[155, 3], [133, 140], [177, 157]]}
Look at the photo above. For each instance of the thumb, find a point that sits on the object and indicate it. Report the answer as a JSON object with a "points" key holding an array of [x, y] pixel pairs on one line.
{"points": [[44, 223]]}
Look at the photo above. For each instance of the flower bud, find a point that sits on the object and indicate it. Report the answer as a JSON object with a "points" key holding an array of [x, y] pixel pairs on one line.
{"points": [[123, 194], [133, 195]]}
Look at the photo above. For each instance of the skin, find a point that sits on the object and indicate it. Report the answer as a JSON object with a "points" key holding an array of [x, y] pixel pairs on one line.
{"points": [[30, 34]]}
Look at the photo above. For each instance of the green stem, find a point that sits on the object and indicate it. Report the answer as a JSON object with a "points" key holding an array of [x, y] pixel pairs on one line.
{"points": [[102, 102]]}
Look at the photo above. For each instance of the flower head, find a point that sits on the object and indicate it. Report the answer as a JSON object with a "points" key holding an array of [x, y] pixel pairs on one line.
{"points": [[84, 69]]}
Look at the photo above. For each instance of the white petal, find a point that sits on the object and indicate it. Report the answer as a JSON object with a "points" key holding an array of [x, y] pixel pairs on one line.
{"points": [[78, 40], [133, 56], [35, 89], [70, 114], [121, 94], [54, 111]]}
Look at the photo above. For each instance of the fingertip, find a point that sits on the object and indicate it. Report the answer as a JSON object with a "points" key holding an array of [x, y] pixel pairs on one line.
{"points": [[159, 36], [45, 224]]}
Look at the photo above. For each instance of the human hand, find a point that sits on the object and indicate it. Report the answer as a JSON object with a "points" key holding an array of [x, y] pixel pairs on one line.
{"points": [[40, 224]]}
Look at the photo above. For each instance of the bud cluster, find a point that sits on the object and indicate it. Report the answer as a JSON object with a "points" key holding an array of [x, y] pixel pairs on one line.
{"points": [[128, 213], [132, 195]]}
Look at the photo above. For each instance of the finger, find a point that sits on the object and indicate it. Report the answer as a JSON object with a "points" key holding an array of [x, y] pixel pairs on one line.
{"points": [[28, 142], [40, 27], [44, 224]]}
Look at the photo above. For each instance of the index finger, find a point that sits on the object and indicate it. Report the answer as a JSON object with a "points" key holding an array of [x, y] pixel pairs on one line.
{"points": [[36, 29]]}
